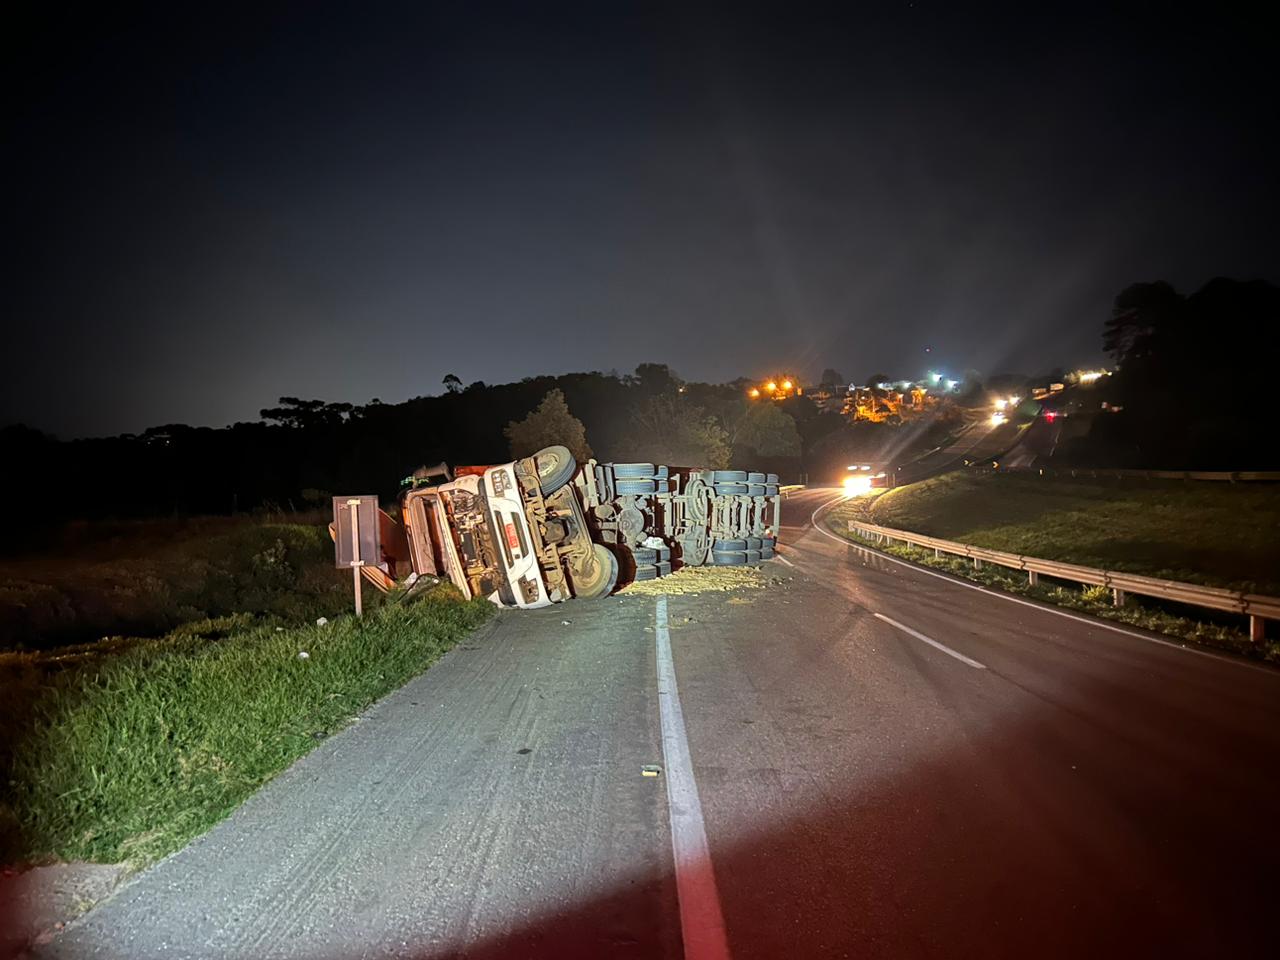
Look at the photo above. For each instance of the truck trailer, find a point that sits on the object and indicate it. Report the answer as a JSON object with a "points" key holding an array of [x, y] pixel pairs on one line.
{"points": [[547, 528]]}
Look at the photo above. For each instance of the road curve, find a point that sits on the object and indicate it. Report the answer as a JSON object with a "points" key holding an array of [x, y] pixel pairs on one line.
{"points": [[886, 763]]}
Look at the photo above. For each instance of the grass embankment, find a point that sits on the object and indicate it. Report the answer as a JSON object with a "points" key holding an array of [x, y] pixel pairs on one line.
{"points": [[148, 577], [1218, 534], [123, 751]]}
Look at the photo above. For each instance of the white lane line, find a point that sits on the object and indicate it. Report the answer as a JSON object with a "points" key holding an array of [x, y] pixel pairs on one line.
{"points": [[931, 642], [701, 922], [778, 556], [1044, 608]]}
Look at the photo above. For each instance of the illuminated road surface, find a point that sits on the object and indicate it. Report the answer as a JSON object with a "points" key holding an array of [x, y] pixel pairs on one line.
{"points": [[880, 763]]}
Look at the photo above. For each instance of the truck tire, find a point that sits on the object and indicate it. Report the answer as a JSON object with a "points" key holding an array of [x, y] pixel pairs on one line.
{"points": [[767, 553], [662, 486], [770, 489], [633, 487], [664, 569], [754, 543], [624, 470], [646, 571], [662, 472], [755, 478], [772, 478], [729, 546], [600, 578], [729, 476], [756, 489], [753, 556], [644, 555], [731, 489], [556, 467], [728, 558]]}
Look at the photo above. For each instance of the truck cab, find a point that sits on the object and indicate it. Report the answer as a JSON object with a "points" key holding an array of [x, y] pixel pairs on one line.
{"points": [[513, 534]]}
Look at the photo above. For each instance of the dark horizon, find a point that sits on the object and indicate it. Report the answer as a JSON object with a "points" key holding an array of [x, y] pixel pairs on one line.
{"points": [[215, 215]]}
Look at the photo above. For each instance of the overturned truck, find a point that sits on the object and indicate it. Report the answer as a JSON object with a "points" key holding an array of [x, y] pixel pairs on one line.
{"points": [[545, 528]]}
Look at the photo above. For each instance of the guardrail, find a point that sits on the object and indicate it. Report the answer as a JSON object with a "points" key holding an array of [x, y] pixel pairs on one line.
{"points": [[1232, 476], [790, 488], [1256, 607]]}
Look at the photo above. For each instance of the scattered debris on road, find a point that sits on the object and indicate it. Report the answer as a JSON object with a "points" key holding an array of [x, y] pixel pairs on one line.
{"points": [[650, 770], [692, 580]]}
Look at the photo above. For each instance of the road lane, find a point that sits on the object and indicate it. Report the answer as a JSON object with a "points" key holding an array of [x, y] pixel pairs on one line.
{"points": [[865, 795], [493, 807]]}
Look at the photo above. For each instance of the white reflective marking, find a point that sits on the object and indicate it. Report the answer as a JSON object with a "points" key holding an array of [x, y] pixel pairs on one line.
{"points": [[701, 922], [1046, 608], [778, 556], [931, 642]]}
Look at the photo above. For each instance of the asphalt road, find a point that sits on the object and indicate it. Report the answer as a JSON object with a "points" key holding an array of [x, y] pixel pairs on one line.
{"points": [[883, 763]]}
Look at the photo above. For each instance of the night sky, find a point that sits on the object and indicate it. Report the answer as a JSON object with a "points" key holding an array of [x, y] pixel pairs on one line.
{"points": [[205, 215]]}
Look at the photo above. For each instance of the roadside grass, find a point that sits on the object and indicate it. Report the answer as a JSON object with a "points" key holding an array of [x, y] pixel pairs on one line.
{"points": [[123, 751], [1203, 627], [148, 577], [1218, 534]]}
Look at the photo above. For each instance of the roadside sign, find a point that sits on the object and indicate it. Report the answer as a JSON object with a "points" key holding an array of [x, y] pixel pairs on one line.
{"points": [[356, 542]]}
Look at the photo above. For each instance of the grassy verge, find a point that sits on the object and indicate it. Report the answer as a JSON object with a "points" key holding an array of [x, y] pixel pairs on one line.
{"points": [[1219, 534], [123, 751], [148, 577], [1201, 627]]}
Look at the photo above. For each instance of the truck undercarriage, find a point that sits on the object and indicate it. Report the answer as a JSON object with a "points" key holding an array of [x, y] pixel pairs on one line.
{"points": [[544, 528]]}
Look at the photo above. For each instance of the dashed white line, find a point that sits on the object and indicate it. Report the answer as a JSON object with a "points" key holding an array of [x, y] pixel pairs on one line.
{"points": [[1090, 621], [701, 922], [931, 642]]}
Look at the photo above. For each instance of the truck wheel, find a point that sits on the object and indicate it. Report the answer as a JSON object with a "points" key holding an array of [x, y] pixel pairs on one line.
{"points": [[644, 555], [729, 546], [728, 558], [662, 486], [646, 572], [753, 556], [693, 548], [664, 569], [623, 470], [772, 478], [767, 553], [634, 486], [754, 543], [730, 489], [600, 578], [770, 489], [729, 476], [755, 489], [755, 478], [662, 472], [556, 467]]}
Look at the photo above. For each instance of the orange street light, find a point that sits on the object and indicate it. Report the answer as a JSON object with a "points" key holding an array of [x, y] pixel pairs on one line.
{"points": [[753, 392], [786, 384], [770, 387]]}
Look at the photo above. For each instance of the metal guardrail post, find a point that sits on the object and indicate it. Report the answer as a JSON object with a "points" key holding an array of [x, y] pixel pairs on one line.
{"points": [[1033, 578], [1117, 597]]}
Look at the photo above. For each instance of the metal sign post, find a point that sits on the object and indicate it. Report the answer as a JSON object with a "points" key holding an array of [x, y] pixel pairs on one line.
{"points": [[354, 507], [356, 538]]}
